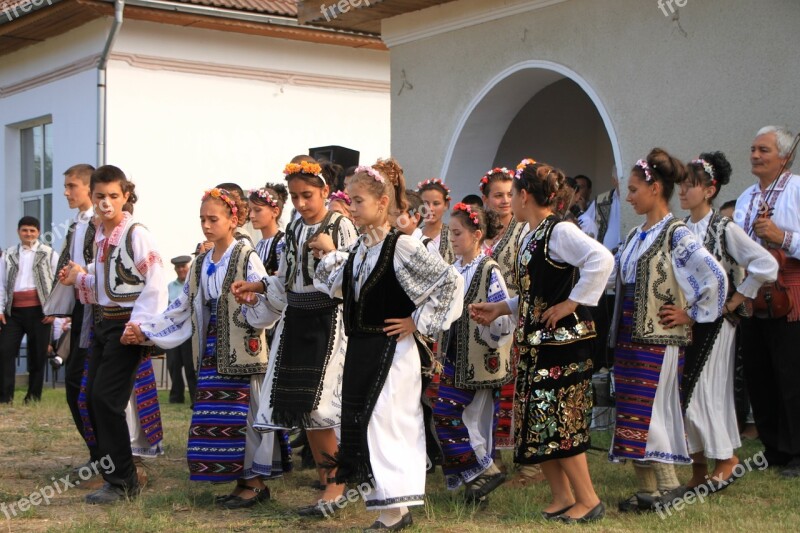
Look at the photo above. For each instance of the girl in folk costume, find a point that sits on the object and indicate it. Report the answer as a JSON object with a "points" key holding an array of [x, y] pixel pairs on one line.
{"points": [[222, 444], [707, 385], [666, 280], [435, 233], [126, 282], [477, 363], [560, 271], [303, 384], [266, 208], [339, 201], [496, 188], [392, 287]]}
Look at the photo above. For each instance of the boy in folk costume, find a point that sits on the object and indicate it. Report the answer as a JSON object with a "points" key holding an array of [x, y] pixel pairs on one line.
{"points": [[126, 281], [26, 277], [391, 286]]}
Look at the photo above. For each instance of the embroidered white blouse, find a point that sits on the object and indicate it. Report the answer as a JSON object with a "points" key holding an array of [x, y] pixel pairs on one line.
{"points": [[174, 326], [761, 267], [499, 332], [430, 283], [568, 244], [700, 277], [154, 296]]}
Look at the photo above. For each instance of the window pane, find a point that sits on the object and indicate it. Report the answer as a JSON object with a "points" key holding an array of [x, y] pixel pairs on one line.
{"points": [[38, 151], [47, 216], [32, 208], [27, 157], [48, 156]]}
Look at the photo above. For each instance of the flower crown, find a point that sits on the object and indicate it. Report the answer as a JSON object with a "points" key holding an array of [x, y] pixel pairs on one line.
{"points": [[435, 181], [304, 167], [521, 167], [221, 194], [707, 167], [497, 170], [340, 195], [473, 216], [265, 195], [370, 171], [648, 176]]}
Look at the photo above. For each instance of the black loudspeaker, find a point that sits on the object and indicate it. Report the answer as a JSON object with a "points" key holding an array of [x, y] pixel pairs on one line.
{"points": [[336, 154]]}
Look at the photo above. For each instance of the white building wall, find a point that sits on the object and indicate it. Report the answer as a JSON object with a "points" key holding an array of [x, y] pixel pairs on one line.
{"points": [[177, 133], [68, 101], [187, 109]]}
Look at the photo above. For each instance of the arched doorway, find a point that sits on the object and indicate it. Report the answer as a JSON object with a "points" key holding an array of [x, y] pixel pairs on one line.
{"points": [[534, 109]]}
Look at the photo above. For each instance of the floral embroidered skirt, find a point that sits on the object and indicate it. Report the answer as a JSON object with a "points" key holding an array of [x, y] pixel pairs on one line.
{"points": [[552, 412]]}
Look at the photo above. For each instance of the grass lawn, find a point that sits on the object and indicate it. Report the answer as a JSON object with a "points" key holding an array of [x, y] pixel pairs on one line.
{"points": [[39, 443]]}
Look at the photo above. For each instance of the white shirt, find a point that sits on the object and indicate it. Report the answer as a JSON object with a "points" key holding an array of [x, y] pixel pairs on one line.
{"points": [[498, 333], [785, 199], [568, 244], [82, 220], [612, 238], [761, 267], [24, 281], [154, 295], [700, 277]]}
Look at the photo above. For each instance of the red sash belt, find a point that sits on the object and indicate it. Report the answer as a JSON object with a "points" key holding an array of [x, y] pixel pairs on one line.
{"points": [[26, 299]]}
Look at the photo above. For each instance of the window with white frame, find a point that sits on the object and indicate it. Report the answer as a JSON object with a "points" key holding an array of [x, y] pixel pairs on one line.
{"points": [[36, 144]]}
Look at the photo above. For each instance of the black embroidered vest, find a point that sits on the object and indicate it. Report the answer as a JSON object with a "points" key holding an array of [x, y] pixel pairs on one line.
{"points": [[543, 283], [381, 296], [308, 263]]}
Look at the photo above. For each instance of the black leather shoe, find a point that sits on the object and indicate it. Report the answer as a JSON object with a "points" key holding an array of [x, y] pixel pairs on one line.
{"points": [[594, 515], [111, 494], [483, 485], [237, 502], [323, 509], [555, 515], [792, 469], [404, 522]]}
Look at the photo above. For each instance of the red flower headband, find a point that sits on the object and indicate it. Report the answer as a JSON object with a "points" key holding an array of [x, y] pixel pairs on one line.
{"points": [[435, 181], [497, 170], [473, 216], [221, 194]]}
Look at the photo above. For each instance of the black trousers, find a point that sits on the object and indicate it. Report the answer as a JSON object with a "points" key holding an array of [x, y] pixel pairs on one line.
{"points": [[772, 369], [20, 322], [180, 360], [73, 369], [112, 371]]}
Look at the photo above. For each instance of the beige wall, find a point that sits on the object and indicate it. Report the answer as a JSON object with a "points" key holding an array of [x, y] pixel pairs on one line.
{"points": [[704, 82]]}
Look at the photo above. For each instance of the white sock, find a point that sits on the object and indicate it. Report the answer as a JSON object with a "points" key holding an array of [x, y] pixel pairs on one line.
{"points": [[390, 517], [492, 470]]}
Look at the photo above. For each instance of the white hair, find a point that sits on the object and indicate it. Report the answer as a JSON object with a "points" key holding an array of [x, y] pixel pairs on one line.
{"points": [[784, 138]]}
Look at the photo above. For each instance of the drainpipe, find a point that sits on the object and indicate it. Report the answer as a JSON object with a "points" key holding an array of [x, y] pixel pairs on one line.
{"points": [[119, 5]]}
